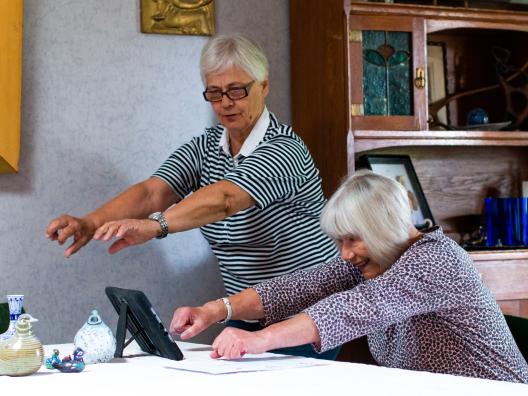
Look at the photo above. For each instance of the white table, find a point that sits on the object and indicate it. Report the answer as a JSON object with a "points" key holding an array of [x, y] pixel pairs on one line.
{"points": [[152, 375]]}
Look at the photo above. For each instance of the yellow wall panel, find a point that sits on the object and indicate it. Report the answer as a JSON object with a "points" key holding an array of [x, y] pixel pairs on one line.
{"points": [[10, 83]]}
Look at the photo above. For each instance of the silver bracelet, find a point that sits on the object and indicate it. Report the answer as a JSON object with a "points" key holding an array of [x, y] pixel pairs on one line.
{"points": [[229, 308]]}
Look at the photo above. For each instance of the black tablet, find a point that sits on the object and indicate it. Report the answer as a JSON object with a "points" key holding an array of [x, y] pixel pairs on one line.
{"points": [[138, 317]]}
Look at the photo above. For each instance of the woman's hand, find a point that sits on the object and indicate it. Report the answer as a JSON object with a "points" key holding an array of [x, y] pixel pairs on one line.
{"points": [[129, 232], [188, 322], [234, 343], [65, 226]]}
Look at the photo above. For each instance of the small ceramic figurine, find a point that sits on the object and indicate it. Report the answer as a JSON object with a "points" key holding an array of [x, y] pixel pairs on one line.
{"points": [[71, 364], [53, 359], [22, 354], [96, 339]]}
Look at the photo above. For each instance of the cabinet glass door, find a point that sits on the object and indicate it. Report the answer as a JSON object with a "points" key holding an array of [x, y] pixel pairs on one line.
{"points": [[387, 73], [387, 67]]}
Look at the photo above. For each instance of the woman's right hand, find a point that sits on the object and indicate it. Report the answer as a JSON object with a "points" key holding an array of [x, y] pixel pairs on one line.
{"points": [[65, 226], [188, 322]]}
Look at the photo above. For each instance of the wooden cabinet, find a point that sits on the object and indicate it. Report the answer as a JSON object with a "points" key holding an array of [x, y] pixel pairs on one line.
{"points": [[10, 83], [457, 168]]}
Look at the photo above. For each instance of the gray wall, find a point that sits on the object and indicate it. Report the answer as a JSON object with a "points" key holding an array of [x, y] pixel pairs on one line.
{"points": [[103, 105]]}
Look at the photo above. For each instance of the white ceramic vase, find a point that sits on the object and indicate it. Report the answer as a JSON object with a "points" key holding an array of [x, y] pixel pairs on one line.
{"points": [[96, 339]]}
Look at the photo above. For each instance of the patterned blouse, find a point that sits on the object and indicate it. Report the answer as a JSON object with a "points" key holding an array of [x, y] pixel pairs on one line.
{"points": [[429, 311]]}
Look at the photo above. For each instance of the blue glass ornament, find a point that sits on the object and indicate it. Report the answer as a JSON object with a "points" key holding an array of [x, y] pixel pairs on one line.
{"points": [[477, 116]]}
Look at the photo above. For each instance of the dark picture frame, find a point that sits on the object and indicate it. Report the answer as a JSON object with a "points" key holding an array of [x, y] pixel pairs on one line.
{"points": [[400, 168]]}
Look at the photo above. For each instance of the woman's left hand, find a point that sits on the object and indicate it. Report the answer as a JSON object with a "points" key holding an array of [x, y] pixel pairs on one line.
{"points": [[234, 343], [129, 232]]}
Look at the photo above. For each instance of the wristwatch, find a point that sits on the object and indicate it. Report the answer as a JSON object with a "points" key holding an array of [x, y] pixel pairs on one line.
{"points": [[160, 218]]}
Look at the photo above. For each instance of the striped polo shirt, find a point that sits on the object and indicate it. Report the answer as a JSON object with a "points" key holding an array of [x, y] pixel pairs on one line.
{"points": [[278, 235]]}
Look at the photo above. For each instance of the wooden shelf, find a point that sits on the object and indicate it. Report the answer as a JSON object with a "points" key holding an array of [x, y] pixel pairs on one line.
{"points": [[371, 140], [492, 255], [441, 18]]}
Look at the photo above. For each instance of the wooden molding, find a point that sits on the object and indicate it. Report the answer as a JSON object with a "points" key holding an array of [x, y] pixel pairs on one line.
{"points": [[370, 139]]}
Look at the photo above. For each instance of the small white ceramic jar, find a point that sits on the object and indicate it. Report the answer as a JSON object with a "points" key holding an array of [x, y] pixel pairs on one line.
{"points": [[96, 339]]}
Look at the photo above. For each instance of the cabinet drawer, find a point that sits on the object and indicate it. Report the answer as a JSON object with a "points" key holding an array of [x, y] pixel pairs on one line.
{"points": [[506, 274]]}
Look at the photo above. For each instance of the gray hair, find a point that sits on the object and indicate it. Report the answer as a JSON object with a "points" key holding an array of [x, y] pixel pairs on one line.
{"points": [[234, 50], [373, 208]]}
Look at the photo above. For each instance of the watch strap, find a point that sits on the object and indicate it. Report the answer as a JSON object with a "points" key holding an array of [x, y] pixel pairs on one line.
{"points": [[160, 218]]}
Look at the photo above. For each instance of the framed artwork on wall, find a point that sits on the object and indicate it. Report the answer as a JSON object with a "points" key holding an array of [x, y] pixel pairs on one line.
{"points": [[11, 16], [187, 17], [400, 168]]}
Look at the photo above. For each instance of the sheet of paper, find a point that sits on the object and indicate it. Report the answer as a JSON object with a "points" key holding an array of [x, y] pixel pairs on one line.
{"points": [[248, 363]]}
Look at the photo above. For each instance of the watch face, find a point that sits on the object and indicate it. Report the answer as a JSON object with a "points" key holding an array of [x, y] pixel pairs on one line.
{"points": [[154, 216]]}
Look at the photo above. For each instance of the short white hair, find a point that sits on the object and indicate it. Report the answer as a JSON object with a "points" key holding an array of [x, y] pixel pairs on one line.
{"points": [[373, 208], [234, 50]]}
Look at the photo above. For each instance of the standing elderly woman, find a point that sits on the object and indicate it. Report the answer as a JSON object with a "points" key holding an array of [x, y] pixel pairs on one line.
{"points": [[416, 295], [256, 194]]}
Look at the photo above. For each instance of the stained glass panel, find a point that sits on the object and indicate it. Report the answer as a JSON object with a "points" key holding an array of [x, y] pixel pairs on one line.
{"points": [[387, 73]]}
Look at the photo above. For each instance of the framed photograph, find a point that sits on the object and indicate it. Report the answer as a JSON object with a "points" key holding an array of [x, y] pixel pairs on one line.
{"points": [[436, 77], [400, 168]]}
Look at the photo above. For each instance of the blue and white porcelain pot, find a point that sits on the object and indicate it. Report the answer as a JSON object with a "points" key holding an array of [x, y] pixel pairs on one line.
{"points": [[15, 302]]}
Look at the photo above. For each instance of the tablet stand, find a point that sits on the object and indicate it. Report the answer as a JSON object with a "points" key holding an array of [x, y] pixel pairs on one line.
{"points": [[137, 316], [121, 342]]}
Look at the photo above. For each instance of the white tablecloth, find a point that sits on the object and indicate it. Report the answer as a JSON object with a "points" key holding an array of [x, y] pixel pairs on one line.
{"points": [[152, 375]]}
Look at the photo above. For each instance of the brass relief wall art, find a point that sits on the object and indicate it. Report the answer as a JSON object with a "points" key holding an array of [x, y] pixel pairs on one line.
{"points": [[193, 17]]}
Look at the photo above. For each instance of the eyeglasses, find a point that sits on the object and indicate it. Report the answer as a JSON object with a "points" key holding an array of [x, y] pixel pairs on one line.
{"points": [[233, 93]]}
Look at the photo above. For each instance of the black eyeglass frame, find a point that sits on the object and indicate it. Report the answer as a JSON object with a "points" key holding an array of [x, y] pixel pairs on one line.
{"points": [[246, 89]]}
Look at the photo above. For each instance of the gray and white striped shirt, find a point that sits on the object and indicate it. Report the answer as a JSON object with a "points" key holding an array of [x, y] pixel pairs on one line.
{"points": [[281, 233]]}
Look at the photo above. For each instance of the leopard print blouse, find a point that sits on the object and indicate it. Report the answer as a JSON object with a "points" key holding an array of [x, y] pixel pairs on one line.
{"points": [[429, 311]]}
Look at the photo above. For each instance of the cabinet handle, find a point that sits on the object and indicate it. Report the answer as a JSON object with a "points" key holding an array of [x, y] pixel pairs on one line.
{"points": [[419, 81]]}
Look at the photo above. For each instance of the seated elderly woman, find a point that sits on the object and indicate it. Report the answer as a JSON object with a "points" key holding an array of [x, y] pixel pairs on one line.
{"points": [[416, 295]]}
